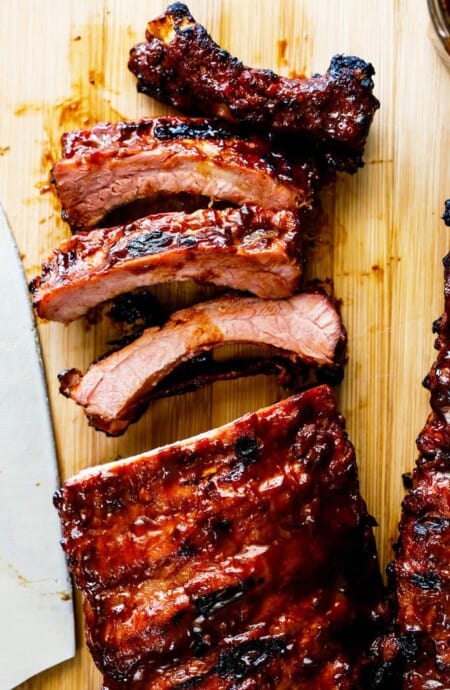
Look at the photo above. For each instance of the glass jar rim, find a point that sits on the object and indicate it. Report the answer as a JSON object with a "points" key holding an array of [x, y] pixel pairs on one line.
{"points": [[440, 17]]}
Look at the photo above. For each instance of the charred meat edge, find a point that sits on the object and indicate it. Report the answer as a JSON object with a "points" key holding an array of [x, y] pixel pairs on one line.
{"points": [[180, 64], [416, 654], [113, 165]]}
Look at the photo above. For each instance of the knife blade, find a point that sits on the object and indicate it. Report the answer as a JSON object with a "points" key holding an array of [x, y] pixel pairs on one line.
{"points": [[36, 621]]}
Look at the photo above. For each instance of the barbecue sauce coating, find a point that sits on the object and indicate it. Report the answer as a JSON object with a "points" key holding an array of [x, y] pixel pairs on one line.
{"points": [[242, 558], [110, 166], [180, 64], [249, 248], [416, 656]]}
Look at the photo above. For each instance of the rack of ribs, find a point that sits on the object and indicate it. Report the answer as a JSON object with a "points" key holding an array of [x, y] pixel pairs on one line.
{"points": [[247, 248], [180, 64], [114, 165], [242, 558], [116, 389], [416, 655]]}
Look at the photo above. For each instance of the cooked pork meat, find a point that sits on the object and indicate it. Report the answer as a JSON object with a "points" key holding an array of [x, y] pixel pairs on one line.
{"points": [[247, 249], [241, 558], [180, 64], [112, 165], [207, 368], [416, 656], [114, 391], [446, 215]]}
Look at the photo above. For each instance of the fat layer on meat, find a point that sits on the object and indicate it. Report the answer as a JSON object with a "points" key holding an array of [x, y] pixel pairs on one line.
{"points": [[240, 558]]}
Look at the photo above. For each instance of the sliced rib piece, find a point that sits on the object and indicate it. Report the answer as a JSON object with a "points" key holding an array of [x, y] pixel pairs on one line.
{"points": [[114, 391], [112, 165], [180, 64], [417, 655], [248, 249], [240, 558]]}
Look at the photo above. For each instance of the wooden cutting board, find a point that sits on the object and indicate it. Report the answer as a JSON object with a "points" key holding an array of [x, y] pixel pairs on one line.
{"points": [[382, 242]]}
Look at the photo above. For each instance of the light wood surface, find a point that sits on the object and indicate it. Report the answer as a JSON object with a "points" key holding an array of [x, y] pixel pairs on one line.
{"points": [[64, 67]]}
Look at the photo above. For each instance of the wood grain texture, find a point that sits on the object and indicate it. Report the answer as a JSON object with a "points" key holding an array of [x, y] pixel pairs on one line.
{"points": [[64, 67]]}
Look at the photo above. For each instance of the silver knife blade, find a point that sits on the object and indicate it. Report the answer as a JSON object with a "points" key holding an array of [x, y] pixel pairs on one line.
{"points": [[36, 610]]}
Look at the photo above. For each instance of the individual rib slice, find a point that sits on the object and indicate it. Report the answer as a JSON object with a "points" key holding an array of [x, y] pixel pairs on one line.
{"points": [[248, 249], [180, 64], [417, 655], [112, 165], [114, 391], [240, 558]]}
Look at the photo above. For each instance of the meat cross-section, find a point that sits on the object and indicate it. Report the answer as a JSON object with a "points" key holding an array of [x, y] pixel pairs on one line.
{"points": [[248, 249], [115, 390], [113, 165]]}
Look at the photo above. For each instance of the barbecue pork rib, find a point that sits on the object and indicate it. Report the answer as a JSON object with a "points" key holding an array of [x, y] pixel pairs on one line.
{"points": [[239, 559], [115, 390], [249, 249], [416, 656], [180, 64], [112, 165], [446, 214]]}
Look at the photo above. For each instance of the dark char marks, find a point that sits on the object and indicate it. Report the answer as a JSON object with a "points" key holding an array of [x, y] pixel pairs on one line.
{"points": [[171, 128]]}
